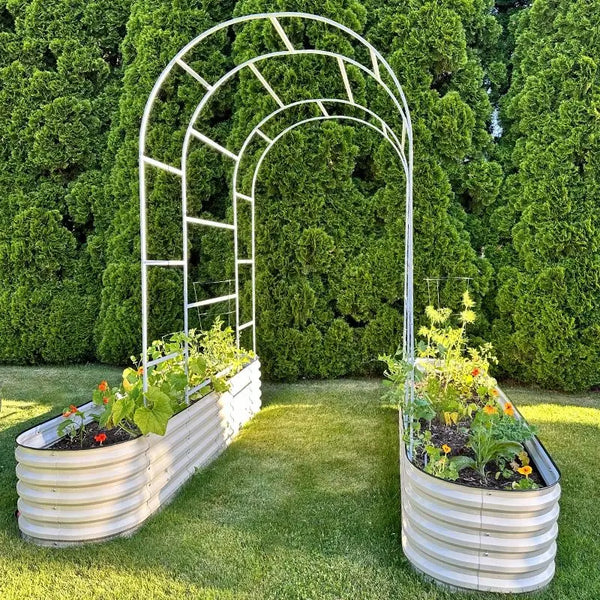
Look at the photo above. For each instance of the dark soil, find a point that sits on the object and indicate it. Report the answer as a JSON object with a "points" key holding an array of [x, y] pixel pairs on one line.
{"points": [[113, 436], [456, 436]]}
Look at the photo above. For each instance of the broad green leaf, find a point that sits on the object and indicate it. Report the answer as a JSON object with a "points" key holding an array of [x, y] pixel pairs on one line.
{"points": [[462, 462], [197, 366], [122, 408], [104, 417], [154, 417]]}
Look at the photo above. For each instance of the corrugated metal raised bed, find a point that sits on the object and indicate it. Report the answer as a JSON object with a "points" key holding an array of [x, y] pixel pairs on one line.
{"points": [[76, 496], [481, 539]]}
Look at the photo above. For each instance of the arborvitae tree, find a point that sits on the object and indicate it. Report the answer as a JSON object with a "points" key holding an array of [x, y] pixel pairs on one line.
{"points": [[330, 202], [331, 199], [58, 84], [549, 297], [156, 31], [441, 52]]}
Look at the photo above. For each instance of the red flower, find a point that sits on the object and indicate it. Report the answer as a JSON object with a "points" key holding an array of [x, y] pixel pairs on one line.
{"points": [[103, 386], [475, 372], [105, 400], [101, 437]]}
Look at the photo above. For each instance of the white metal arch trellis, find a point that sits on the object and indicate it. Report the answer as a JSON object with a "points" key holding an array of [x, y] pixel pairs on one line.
{"points": [[402, 145]]}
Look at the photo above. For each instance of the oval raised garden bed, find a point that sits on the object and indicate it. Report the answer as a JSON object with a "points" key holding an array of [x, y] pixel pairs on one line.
{"points": [[477, 538], [77, 496]]}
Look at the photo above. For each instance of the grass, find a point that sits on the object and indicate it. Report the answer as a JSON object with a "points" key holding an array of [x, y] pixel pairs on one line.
{"points": [[303, 505]]}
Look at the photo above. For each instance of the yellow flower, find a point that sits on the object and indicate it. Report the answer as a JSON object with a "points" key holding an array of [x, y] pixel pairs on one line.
{"points": [[467, 300], [468, 316], [526, 470], [446, 448]]}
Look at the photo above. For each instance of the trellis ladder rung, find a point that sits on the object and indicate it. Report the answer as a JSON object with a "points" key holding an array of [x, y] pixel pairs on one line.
{"points": [[344, 73], [217, 224], [157, 361], [244, 197], [163, 166], [375, 65], [214, 144], [322, 108], [164, 263], [266, 85], [195, 75], [198, 387], [246, 325], [245, 261], [264, 136], [282, 34], [211, 301]]}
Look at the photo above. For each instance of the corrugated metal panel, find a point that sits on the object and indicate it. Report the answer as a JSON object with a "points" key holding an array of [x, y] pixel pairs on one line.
{"points": [[75, 496], [485, 540]]}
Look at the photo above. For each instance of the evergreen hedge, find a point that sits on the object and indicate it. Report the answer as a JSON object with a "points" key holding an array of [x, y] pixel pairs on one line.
{"points": [[548, 304], [59, 80], [330, 231], [74, 78]]}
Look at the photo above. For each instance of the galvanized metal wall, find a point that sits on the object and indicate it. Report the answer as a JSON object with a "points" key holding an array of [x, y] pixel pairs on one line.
{"points": [[74, 496]]}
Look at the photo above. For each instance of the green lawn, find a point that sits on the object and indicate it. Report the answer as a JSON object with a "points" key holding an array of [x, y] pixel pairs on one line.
{"points": [[303, 505]]}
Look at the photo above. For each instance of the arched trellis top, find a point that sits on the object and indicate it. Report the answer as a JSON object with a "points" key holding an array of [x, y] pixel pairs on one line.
{"points": [[400, 141]]}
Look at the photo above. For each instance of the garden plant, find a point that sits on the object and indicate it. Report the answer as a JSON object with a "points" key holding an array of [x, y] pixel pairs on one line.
{"points": [[455, 425], [126, 412]]}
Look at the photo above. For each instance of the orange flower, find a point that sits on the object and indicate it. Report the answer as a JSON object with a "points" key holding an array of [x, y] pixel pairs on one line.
{"points": [[488, 409], [105, 400], [67, 414], [446, 448], [494, 392], [509, 409], [526, 470], [475, 372], [101, 437], [140, 371], [103, 386], [73, 408]]}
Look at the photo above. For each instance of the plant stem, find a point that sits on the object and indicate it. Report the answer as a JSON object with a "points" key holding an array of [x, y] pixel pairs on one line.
{"points": [[127, 430]]}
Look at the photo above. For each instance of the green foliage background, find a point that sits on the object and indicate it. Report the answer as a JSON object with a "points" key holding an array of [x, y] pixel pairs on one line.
{"points": [[74, 78]]}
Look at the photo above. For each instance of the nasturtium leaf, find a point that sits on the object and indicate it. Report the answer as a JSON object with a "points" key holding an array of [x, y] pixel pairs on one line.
{"points": [[197, 366]]}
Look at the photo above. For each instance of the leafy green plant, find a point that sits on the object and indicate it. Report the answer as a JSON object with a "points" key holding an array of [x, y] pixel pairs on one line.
{"points": [[213, 358], [513, 429], [487, 448], [457, 376], [396, 374], [441, 465]]}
